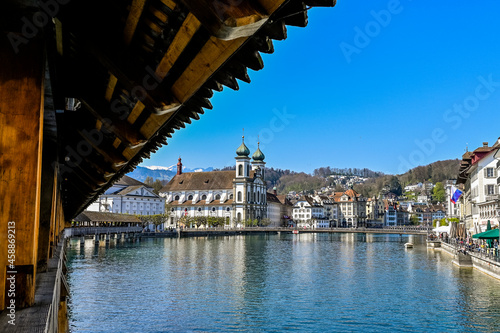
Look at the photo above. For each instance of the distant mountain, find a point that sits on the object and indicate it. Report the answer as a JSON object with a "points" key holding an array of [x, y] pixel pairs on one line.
{"points": [[160, 172]]}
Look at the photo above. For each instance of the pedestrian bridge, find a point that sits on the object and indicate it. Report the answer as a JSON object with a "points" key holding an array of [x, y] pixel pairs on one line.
{"points": [[88, 231]]}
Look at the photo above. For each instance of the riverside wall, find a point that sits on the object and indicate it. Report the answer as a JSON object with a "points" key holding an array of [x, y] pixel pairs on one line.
{"points": [[485, 265]]}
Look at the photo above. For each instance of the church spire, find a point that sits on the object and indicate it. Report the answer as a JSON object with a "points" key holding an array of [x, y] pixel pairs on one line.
{"points": [[179, 167]]}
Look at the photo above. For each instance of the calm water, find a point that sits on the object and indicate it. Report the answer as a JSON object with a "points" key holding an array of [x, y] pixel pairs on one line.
{"points": [[306, 283]]}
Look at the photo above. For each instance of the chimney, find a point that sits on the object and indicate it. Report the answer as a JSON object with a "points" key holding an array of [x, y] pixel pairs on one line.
{"points": [[179, 167], [485, 144]]}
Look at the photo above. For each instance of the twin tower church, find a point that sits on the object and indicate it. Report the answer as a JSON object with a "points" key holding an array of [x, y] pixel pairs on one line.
{"points": [[237, 195]]}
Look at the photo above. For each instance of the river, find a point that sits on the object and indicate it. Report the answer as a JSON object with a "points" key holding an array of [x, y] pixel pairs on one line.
{"points": [[276, 283]]}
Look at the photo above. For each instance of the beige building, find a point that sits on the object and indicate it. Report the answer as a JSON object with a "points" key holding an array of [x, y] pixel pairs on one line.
{"points": [[351, 209]]}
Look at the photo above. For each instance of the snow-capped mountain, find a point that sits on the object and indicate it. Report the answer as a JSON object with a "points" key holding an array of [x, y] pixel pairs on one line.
{"points": [[160, 172]]}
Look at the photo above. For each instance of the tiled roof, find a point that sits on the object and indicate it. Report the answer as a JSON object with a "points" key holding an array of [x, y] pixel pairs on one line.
{"points": [[129, 189], [271, 197], [284, 200], [88, 216], [202, 203], [128, 181], [212, 180]]}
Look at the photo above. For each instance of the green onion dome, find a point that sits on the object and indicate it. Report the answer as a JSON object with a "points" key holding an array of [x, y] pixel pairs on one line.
{"points": [[243, 150], [258, 155]]}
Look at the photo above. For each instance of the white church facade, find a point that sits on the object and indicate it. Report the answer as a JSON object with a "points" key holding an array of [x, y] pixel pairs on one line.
{"points": [[235, 195], [129, 196]]}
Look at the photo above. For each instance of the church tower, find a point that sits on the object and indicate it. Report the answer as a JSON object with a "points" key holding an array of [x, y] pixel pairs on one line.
{"points": [[241, 186], [242, 160], [258, 161]]}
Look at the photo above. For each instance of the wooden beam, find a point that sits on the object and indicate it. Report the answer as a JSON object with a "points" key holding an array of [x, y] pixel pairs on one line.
{"points": [[104, 150], [179, 43], [21, 121], [213, 54], [229, 21], [133, 18], [101, 110]]}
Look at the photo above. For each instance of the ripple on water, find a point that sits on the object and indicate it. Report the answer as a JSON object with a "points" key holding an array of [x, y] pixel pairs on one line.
{"points": [[305, 283]]}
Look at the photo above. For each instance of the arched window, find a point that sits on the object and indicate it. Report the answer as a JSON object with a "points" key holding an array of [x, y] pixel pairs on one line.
{"points": [[239, 196], [190, 197], [203, 197], [239, 217], [231, 197], [248, 170], [217, 197], [176, 197], [228, 209], [213, 209], [240, 170], [199, 209]]}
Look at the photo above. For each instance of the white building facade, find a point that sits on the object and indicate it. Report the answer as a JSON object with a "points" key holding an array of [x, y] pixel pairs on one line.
{"points": [[129, 196], [235, 195]]}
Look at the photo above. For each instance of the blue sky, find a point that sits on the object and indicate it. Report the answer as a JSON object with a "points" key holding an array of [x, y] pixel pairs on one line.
{"points": [[386, 85]]}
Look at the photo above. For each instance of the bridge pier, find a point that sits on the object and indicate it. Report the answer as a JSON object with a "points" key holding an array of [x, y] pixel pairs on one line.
{"points": [[107, 238], [96, 239], [82, 240]]}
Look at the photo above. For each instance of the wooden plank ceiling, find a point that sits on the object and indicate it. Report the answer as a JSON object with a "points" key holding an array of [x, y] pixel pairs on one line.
{"points": [[138, 70]]}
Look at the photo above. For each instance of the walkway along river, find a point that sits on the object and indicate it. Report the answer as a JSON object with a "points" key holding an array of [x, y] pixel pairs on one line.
{"points": [[306, 282]]}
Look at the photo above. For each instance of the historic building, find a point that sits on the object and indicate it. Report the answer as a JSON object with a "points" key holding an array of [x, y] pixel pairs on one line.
{"points": [[236, 195], [351, 208], [129, 196], [478, 177]]}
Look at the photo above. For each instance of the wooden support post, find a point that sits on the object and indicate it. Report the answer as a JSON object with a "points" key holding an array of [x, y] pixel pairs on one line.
{"points": [[21, 123]]}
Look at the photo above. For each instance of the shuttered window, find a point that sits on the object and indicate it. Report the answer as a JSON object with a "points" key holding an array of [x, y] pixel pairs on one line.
{"points": [[490, 173]]}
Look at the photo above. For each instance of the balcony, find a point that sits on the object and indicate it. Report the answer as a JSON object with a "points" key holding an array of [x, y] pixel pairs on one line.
{"points": [[492, 197]]}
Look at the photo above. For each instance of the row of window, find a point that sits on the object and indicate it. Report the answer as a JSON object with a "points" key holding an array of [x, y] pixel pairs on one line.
{"points": [[203, 197], [199, 209]]}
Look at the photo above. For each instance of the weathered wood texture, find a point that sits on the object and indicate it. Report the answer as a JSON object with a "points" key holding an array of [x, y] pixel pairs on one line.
{"points": [[21, 120]]}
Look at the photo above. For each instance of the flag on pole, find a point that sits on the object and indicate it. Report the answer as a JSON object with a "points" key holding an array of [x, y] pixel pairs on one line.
{"points": [[456, 193]]}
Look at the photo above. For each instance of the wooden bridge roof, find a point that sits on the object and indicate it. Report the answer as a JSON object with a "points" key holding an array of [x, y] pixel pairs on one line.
{"points": [[124, 75]]}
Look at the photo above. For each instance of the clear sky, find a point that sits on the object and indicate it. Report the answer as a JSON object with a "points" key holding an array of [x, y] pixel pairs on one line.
{"points": [[386, 85]]}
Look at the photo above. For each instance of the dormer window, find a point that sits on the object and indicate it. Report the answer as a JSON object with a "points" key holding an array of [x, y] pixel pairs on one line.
{"points": [[176, 198], [190, 197], [217, 197], [203, 197]]}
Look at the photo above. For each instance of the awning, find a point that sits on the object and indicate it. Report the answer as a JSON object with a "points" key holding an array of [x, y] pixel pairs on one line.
{"points": [[490, 234], [443, 228]]}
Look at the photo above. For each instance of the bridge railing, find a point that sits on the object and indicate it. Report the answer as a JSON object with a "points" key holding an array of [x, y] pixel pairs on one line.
{"points": [[401, 229]]}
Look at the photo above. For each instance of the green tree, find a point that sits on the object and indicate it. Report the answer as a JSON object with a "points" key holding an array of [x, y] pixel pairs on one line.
{"points": [[155, 220], [265, 222], [157, 186], [414, 220], [149, 181], [395, 186], [438, 192]]}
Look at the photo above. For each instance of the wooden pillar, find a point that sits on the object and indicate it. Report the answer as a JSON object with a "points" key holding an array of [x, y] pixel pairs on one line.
{"points": [[21, 123]]}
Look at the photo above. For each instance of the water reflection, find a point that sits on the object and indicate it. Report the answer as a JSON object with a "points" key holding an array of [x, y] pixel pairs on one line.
{"points": [[305, 282]]}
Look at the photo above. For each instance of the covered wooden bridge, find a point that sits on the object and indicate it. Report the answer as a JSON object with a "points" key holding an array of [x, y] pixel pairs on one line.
{"points": [[88, 89], [105, 219]]}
